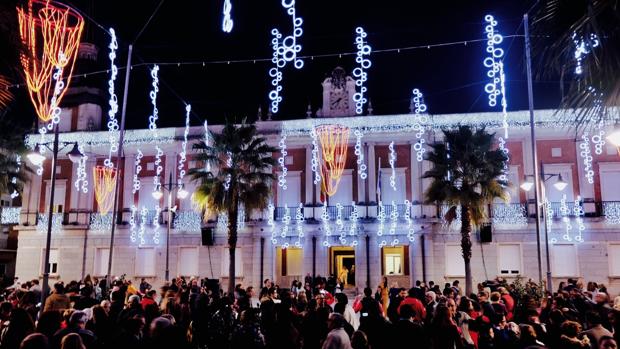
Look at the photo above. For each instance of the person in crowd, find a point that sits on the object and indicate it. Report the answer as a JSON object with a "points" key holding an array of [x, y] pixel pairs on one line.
{"points": [[342, 307], [443, 330], [418, 307], [72, 341], [58, 300], [408, 330], [359, 340], [19, 326], [77, 325], [607, 342], [595, 331], [35, 341], [571, 337], [337, 338], [382, 295]]}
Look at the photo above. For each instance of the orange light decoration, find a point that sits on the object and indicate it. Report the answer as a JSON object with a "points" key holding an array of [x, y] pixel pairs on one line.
{"points": [[51, 33], [104, 178], [334, 142]]}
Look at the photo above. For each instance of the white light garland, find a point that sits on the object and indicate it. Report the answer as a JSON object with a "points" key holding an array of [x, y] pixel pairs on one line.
{"points": [[113, 101], [420, 119], [286, 221], [100, 138], [290, 48], [410, 229], [492, 62], [359, 152], [142, 232], [598, 139], [183, 154], [504, 149], [394, 223], [18, 168], [153, 94], [299, 224], [132, 223], [187, 221], [565, 218], [579, 213], [315, 156], [222, 223], [549, 219], [583, 48], [275, 73], [282, 162], [229, 163], [156, 224], [611, 211], [206, 142], [271, 224], [360, 74], [42, 222], [586, 155], [326, 227], [158, 169], [100, 222], [509, 214], [381, 218], [10, 215], [136, 176], [392, 162], [353, 219], [81, 183], [227, 22], [340, 224]]}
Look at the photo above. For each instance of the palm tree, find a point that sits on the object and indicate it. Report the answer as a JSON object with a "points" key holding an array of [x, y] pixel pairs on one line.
{"points": [[596, 89], [242, 178], [465, 175]]}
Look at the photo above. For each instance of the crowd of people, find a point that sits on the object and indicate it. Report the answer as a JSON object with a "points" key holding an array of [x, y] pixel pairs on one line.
{"points": [[312, 314]]}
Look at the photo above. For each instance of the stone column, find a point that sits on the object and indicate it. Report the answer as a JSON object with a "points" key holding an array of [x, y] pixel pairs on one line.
{"points": [[372, 173]]}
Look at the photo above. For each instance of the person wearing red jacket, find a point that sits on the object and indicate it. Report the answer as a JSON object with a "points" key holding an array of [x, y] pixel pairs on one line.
{"points": [[509, 302], [416, 305], [149, 298]]}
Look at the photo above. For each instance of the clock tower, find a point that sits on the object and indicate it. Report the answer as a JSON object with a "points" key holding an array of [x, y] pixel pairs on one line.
{"points": [[338, 91]]}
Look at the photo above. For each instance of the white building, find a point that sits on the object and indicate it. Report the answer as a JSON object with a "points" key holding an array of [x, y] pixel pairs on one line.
{"points": [[422, 248]]}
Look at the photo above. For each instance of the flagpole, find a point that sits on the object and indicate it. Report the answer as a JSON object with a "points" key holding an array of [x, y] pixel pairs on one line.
{"points": [[378, 183]]}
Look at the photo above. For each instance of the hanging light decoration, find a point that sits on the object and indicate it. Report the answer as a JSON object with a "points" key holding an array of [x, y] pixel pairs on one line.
{"points": [[353, 218], [143, 219], [394, 223], [381, 218], [290, 47], [50, 32], [183, 154], [564, 210], [410, 230], [81, 183], [359, 152], [340, 224], [271, 224], [326, 227], [583, 47], [113, 101], [392, 162], [104, 178], [132, 223], [315, 156], [360, 74], [275, 73], [419, 122], [334, 139], [299, 224], [586, 155], [286, 221], [18, 167], [227, 22], [229, 163], [282, 162], [579, 212], [549, 219]]}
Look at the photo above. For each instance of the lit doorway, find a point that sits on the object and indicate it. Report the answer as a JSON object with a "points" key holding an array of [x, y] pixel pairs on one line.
{"points": [[342, 264]]}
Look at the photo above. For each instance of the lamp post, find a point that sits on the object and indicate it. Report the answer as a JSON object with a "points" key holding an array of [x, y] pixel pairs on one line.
{"points": [[157, 195], [36, 158], [560, 185]]}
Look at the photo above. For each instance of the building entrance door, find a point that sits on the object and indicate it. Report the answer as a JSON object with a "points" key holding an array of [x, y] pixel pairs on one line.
{"points": [[342, 264]]}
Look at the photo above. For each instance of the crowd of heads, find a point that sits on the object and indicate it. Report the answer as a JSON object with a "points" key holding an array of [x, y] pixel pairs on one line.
{"points": [[312, 313]]}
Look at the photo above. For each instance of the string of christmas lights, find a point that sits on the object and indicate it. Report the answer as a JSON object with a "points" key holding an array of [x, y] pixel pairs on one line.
{"points": [[142, 232], [81, 183], [18, 168], [353, 219], [183, 154], [340, 224], [492, 62], [132, 223], [420, 119], [229, 163], [315, 156], [565, 212], [359, 152], [359, 72], [156, 224], [275, 73], [394, 223], [113, 101], [282, 162], [611, 211], [299, 224], [579, 213], [549, 219], [10, 215], [227, 22], [325, 224], [290, 48], [586, 155], [286, 222], [381, 219], [271, 224], [410, 229], [392, 162], [583, 47]]}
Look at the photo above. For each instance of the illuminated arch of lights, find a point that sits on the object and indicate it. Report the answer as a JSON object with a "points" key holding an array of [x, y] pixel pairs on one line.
{"points": [[360, 74]]}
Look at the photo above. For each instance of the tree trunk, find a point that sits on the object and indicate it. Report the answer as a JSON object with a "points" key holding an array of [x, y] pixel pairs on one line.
{"points": [[232, 248], [466, 246]]}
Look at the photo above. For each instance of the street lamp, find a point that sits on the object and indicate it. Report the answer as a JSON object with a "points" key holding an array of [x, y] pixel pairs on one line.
{"points": [[36, 158], [157, 195], [560, 185], [614, 138]]}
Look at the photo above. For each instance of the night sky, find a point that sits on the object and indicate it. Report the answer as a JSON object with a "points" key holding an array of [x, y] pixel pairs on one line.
{"points": [[452, 78]]}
